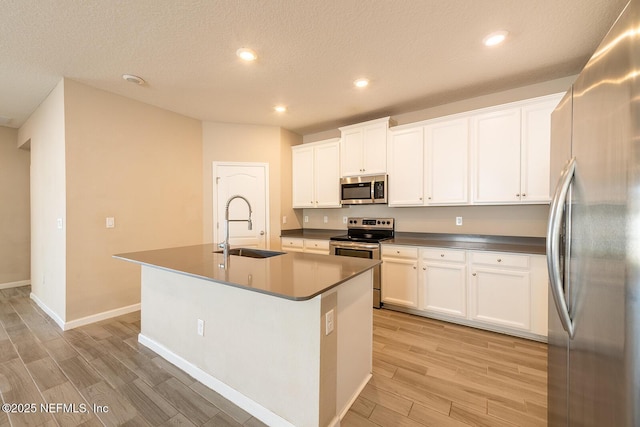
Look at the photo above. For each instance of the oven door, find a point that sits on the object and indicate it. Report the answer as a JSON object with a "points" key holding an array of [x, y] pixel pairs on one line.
{"points": [[361, 250]]}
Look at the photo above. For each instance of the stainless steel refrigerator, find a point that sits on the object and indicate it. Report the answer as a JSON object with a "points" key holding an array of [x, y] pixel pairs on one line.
{"points": [[593, 239]]}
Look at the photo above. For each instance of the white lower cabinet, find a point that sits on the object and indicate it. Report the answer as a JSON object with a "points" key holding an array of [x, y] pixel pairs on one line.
{"points": [[298, 244], [443, 281], [292, 244], [501, 296], [400, 275], [499, 291], [316, 246]]}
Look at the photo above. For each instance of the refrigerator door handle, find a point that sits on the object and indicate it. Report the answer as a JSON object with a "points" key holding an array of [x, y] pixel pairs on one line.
{"points": [[554, 230]]}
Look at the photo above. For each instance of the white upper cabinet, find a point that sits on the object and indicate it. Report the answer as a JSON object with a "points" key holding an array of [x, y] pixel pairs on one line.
{"points": [[364, 148], [447, 162], [316, 174], [303, 176], [428, 164], [511, 152], [405, 157], [536, 150], [496, 156]]}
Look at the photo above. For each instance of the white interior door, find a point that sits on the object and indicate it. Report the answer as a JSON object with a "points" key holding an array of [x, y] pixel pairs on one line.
{"points": [[249, 180]]}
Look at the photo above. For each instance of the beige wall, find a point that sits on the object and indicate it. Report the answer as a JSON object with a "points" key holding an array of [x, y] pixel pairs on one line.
{"points": [[226, 142], [93, 155], [528, 220], [136, 163], [14, 209], [44, 132]]}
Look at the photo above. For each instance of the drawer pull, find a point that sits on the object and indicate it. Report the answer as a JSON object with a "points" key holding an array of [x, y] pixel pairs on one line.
{"points": [[424, 268], [499, 260], [442, 255], [397, 252]]}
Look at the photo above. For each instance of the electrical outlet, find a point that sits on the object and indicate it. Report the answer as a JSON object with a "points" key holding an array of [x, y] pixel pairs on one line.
{"points": [[110, 222], [201, 327], [284, 219], [306, 218], [59, 223], [328, 319], [325, 219], [345, 219], [458, 220]]}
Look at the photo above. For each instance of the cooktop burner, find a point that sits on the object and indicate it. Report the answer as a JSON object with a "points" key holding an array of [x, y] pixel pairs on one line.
{"points": [[367, 230]]}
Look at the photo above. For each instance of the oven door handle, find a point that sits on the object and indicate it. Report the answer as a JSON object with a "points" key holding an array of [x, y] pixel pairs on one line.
{"points": [[352, 245]]}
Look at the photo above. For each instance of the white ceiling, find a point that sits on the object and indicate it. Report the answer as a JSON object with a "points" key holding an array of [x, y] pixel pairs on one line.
{"points": [[417, 53]]}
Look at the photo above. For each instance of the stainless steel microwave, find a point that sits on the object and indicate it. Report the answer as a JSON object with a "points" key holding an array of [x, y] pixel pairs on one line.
{"points": [[361, 190]]}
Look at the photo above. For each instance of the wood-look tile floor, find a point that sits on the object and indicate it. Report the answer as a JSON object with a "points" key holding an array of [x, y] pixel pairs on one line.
{"points": [[425, 373], [96, 366], [432, 373]]}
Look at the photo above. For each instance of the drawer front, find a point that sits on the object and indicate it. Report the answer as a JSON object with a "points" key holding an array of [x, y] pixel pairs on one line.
{"points": [[292, 242], [450, 255], [316, 244], [390, 251], [499, 259]]}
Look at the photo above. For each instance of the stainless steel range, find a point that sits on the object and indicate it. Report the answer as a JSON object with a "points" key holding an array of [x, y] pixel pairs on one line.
{"points": [[363, 240]]}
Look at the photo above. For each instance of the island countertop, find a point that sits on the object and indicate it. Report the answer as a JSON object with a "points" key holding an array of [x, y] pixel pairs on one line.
{"points": [[292, 275]]}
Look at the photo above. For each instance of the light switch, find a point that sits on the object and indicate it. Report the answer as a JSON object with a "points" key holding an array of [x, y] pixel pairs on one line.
{"points": [[111, 222], [59, 223], [306, 218]]}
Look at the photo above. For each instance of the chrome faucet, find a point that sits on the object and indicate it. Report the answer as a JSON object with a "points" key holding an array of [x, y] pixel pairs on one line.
{"points": [[225, 245]]}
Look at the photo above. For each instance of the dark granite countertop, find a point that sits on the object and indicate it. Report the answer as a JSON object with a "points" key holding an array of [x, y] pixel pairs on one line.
{"points": [[478, 242], [294, 276], [312, 233], [527, 245]]}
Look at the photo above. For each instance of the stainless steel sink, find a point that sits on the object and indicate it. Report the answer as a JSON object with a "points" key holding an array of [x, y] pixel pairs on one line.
{"points": [[252, 253]]}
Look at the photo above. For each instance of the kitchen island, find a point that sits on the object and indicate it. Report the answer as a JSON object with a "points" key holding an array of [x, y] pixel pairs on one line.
{"points": [[288, 338]]}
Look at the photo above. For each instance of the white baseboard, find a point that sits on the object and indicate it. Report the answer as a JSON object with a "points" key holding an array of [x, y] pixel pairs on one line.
{"points": [[239, 399], [87, 320], [65, 326], [47, 310], [15, 284], [353, 398]]}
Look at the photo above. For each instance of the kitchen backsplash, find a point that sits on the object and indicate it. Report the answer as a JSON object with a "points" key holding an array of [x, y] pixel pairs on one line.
{"points": [[526, 220]]}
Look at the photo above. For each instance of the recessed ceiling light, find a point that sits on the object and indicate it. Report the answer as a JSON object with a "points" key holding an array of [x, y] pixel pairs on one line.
{"points": [[361, 82], [246, 54], [133, 79], [280, 108], [495, 38]]}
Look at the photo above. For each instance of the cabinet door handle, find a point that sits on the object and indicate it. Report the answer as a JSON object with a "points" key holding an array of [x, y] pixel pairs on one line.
{"points": [[442, 255], [473, 274], [499, 260], [518, 195], [524, 195], [424, 268]]}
